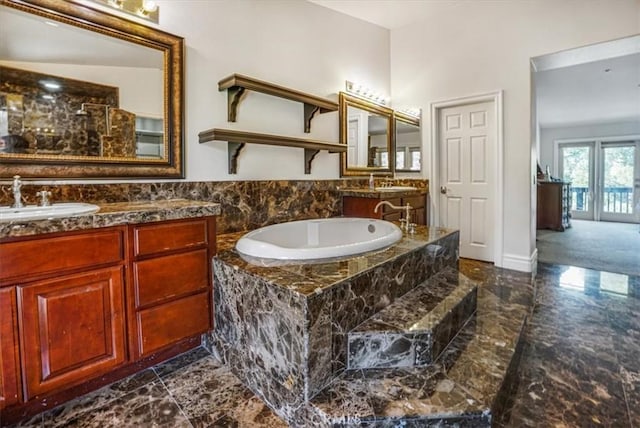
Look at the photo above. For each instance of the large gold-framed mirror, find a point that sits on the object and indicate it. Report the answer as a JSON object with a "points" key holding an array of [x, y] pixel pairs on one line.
{"points": [[87, 94], [366, 128], [407, 143]]}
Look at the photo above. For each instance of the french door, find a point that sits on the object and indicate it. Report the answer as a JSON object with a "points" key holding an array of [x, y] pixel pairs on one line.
{"points": [[605, 178], [576, 163]]}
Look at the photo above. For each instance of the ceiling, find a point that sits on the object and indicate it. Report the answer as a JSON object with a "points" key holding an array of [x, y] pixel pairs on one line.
{"points": [[572, 87], [389, 14], [587, 93]]}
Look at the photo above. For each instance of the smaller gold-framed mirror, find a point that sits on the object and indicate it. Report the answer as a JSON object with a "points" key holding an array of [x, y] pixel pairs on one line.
{"points": [[407, 143], [366, 129], [87, 94]]}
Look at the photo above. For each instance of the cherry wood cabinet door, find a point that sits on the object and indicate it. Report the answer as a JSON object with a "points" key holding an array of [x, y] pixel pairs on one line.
{"points": [[9, 369], [71, 328]]}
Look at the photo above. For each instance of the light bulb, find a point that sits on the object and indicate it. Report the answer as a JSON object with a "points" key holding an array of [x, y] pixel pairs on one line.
{"points": [[149, 5]]}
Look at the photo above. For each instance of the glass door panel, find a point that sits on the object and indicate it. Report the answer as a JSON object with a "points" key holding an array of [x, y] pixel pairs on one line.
{"points": [[576, 166], [617, 166]]}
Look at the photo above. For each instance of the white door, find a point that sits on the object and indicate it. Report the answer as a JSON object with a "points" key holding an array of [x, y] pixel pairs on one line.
{"points": [[468, 175]]}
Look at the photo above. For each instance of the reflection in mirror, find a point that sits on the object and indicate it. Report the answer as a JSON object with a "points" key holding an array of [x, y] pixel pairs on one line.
{"points": [[408, 143], [366, 129], [86, 93]]}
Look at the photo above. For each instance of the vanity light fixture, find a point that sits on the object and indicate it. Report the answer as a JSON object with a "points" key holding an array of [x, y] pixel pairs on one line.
{"points": [[146, 9], [366, 93], [411, 111]]}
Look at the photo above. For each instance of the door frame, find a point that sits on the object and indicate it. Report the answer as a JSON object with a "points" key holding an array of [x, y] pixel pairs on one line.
{"points": [[597, 146], [434, 180]]}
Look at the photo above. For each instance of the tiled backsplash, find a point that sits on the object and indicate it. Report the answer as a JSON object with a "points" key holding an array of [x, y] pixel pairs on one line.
{"points": [[245, 205]]}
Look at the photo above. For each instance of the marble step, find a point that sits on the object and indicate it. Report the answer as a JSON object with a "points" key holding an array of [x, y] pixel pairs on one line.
{"points": [[469, 385], [416, 328]]}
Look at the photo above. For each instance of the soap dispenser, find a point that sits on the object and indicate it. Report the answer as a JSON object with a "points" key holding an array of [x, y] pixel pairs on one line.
{"points": [[371, 182]]}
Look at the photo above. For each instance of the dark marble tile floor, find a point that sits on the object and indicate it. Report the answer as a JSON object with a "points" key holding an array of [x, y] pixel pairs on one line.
{"points": [[580, 366]]}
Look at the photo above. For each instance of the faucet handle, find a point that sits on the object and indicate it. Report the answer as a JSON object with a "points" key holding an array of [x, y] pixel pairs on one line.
{"points": [[404, 223], [44, 195]]}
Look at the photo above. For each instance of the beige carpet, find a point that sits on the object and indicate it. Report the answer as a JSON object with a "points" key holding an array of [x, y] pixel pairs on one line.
{"points": [[611, 247]]}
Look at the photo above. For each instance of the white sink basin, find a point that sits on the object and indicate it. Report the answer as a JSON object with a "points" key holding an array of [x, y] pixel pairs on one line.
{"points": [[34, 212], [395, 188]]}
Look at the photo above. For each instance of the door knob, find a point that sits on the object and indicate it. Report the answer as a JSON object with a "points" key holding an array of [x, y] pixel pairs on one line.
{"points": [[443, 190]]}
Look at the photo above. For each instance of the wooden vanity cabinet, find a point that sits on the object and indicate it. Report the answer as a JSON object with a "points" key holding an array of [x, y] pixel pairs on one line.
{"points": [[70, 306], [170, 294], [9, 355], [354, 206], [79, 310]]}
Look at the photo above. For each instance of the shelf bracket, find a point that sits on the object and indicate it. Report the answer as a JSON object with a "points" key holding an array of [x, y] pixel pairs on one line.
{"points": [[234, 94], [309, 111], [233, 151], [309, 154]]}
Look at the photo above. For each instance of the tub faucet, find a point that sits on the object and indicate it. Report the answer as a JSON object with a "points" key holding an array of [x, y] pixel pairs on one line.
{"points": [[405, 223], [17, 195]]}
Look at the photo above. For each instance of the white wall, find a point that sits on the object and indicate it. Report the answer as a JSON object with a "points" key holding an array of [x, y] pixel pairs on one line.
{"points": [[549, 135], [296, 44], [469, 48]]}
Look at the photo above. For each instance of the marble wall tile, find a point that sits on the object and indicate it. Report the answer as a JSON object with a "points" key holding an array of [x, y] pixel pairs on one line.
{"points": [[246, 205], [51, 127]]}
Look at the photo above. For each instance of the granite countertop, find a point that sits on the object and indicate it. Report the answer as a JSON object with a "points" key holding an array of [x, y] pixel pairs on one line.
{"points": [[364, 192], [114, 214]]}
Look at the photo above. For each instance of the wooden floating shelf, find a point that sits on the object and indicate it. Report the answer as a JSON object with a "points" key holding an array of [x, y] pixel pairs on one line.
{"points": [[236, 141], [237, 84]]}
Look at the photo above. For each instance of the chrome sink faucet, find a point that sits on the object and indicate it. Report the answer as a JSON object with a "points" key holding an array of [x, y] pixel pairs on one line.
{"points": [[17, 195]]}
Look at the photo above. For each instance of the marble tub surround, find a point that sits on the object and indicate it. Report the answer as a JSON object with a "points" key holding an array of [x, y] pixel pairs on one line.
{"points": [[414, 330], [283, 330], [245, 205], [114, 214]]}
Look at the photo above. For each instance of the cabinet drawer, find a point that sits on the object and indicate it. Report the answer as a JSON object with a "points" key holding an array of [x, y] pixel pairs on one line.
{"points": [[166, 324], [164, 277], [33, 257], [414, 201], [162, 237]]}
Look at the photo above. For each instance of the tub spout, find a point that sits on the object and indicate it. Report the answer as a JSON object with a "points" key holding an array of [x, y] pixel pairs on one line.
{"points": [[404, 222], [389, 204]]}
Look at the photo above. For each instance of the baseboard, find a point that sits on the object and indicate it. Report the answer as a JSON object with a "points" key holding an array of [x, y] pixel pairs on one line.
{"points": [[519, 263]]}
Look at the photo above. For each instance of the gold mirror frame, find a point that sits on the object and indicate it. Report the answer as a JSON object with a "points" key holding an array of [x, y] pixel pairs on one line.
{"points": [[410, 120], [172, 47], [346, 100]]}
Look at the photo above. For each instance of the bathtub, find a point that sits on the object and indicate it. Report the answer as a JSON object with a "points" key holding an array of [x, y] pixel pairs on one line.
{"points": [[318, 239]]}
